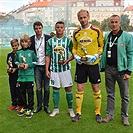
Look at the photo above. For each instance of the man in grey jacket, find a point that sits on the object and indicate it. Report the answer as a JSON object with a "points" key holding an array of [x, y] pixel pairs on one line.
{"points": [[117, 61]]}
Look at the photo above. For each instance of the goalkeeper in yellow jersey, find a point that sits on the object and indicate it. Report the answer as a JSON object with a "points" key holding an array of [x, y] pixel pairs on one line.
{"points": [[88, 45]]}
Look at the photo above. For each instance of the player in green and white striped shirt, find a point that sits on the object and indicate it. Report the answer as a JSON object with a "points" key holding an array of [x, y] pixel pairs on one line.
{"points": [[58, 52]]}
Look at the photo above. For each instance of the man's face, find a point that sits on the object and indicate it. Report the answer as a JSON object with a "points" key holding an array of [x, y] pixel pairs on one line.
{"points": [[59, 28], [83, 18], [115, 23], [38, 30]]}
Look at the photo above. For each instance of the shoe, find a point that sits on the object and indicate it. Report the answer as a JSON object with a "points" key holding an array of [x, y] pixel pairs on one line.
{"points": [[46, 109], [37, 110], [29, 114], [76, 118], [55, 112], [126, 122], [12, 108], [70, 111], [21, 112], [107, 119], [98, 118], [19, 108]]}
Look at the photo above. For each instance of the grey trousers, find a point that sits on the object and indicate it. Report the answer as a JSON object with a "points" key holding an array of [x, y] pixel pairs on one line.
{"points": [[111, 76]]}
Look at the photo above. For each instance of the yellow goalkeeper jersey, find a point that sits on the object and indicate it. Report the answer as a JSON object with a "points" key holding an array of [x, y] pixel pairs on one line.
{"points": [[90, 39]]}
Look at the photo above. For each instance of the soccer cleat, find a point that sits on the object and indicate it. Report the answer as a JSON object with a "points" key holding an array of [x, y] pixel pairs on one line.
{"points": [[55, 112], [19, 108], [29, 114], [107, 119], [12, 108], [98, 118], [71, 113], [76, 118], [21, 112]]}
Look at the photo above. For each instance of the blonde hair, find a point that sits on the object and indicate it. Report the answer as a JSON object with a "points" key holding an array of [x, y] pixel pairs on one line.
{"points": [[14, 41], [82, 10], [25, 38]]}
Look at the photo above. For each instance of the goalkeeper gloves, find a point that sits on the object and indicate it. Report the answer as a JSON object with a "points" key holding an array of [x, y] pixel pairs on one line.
{"points": [[77, 58], [94, 58]]}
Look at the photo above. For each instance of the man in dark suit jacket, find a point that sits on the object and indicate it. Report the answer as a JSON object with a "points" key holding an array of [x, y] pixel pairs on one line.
{"points": [[38, 44]]}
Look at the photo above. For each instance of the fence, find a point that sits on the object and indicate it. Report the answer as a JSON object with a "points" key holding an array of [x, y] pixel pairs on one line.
{"points": [[7, 33]]}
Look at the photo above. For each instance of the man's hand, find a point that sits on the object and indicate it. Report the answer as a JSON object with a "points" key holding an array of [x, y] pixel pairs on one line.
{"points": [[94, 58], [48, 74], [126, 76], [77, 58]]}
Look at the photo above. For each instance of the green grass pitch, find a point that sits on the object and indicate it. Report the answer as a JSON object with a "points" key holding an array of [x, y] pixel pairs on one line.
{"points": [[42, 123]]}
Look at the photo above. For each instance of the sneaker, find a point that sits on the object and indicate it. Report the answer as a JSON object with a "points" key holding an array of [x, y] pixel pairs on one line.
{"points": [[12, 108], [19, 108], [28, 114], [107, 119], [21, 112], [126, 122], [55, 112], [76, 118], [98, 118], [71, 113]]}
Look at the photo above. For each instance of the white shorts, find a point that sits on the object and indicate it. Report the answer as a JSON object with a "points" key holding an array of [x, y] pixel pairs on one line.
{"points": [[58, 78]]}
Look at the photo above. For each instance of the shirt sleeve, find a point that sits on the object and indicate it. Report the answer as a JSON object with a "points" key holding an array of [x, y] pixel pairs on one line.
{"points": [[101, 41], [48, 48], [74, 41]]}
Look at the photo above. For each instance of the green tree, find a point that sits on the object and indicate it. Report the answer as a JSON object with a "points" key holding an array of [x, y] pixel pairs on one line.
{"points": [[124, 24], [10, 20], [95, 22], [105, 25]]}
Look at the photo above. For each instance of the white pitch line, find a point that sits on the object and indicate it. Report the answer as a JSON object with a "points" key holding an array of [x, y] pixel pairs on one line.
{"points": [[4, 76]]}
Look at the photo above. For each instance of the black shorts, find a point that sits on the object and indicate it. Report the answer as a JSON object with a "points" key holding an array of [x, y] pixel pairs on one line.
{"points": [[84, 71]]}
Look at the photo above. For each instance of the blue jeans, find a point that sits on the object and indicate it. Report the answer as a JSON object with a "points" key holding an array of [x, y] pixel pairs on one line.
{"points": [[42, 81]]}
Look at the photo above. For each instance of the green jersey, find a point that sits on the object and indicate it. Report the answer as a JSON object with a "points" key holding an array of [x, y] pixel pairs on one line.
{"points": [[58, 49]]}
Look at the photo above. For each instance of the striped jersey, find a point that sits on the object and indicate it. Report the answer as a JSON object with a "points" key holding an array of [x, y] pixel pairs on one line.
{"points": [[59, 48], [90, 39]]}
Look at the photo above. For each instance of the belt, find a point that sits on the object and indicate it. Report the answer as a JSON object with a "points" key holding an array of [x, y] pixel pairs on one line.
{"points": [[113, 65], [40, 65]]}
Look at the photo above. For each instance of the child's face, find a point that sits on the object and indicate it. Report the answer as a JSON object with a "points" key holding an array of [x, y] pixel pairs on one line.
{"points": [[15, 46], [25, 44]]}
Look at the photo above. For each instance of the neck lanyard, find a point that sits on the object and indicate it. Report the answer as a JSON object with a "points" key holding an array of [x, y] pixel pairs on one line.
{"points": [[39, 44], [112, 43]]}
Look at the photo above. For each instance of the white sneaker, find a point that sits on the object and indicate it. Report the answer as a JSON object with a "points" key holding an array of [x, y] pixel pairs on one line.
{"points": [[55, 112], [71, 113]]}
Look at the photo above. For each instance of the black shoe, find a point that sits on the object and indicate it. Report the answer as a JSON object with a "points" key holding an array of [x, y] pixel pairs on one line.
{"points": [[98, 118], [76, 118], [37, 110], [46, 109]]}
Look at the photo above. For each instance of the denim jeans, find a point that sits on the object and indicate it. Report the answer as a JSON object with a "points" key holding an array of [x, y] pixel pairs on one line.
{"points": [[42, 81]]}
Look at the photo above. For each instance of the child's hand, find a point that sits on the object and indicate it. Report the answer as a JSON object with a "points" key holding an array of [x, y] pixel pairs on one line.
{"points": [[25, 66], [14, 70], [21, 66], [9, 70]]}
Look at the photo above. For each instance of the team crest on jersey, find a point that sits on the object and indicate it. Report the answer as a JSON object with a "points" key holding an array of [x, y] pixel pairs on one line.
{"points": [[52, 82], [57, 49], [85, 40], [29, 54]]}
